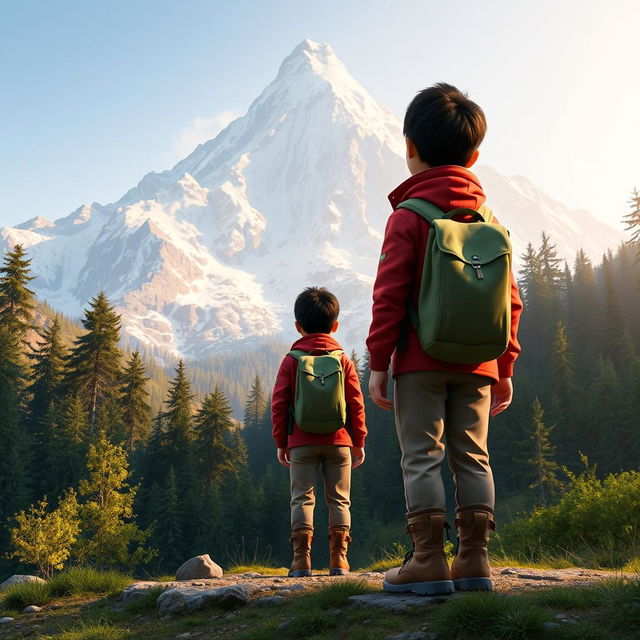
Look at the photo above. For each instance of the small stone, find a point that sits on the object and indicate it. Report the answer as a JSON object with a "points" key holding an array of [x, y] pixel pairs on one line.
{"points": [[269, 601], [244, 626], [335, 612], [550, 625], [283, 625], [285, 591], [509, 572], [32, 608], [6, 620], [252, 574], [279, 579], [298, 586], [536, 576], [366, 622]]}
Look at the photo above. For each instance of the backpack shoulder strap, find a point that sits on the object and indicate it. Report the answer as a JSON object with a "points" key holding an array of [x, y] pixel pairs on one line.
{"points": [[486, 213], [297, 353], [423, 208]]}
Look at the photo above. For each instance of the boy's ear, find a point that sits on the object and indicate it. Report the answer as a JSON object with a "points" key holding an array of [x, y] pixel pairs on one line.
{"points": [[336, 324], [472, 159], [412, 152], [299, 328]]}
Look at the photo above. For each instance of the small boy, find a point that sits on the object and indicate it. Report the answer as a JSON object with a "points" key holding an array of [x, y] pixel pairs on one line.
{"points": [[436, 400], [330, 435]]}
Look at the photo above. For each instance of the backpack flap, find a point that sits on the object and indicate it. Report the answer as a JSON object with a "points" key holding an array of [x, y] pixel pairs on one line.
{"points": [[475, 243]]}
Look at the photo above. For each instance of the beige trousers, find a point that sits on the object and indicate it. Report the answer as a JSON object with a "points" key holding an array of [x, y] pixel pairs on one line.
{"points": [[336, 470], [434, 406]]}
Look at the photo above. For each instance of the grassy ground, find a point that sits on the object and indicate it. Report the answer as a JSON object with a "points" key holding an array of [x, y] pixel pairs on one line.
{"points": [[607, 611]]}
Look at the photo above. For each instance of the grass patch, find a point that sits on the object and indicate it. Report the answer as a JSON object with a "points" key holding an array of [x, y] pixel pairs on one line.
{"points": [[99, 631], [146, 602], [566, 599], [23, 594], [85, 581], [633, 566], [257, 568], [489, 615], [334, 595]]}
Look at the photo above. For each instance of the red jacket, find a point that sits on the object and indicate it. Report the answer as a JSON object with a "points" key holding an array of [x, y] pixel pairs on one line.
{"points": [[400, 273], [284, 393]]}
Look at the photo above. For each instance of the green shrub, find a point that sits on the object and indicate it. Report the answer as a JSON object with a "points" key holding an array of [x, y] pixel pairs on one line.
{"points": [[99, 631], [21, 595], [597, 521], [85, 580]]}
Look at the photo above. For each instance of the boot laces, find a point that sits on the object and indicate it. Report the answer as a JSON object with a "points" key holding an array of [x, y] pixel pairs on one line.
{"points": [[408, 555]]}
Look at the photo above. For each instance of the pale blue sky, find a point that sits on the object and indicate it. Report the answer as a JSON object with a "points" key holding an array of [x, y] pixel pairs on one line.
{"points": [[94, 94]]}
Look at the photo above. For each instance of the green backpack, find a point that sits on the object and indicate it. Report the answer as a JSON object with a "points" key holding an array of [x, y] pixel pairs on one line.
{"points": [[464, 305], [320, 405]]}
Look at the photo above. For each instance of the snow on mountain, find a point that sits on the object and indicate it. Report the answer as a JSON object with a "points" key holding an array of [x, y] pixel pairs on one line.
{"points": [[214, 251]]}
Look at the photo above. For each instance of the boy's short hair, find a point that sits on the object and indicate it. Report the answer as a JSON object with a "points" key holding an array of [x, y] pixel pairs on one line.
{"points": [[316, 310], [445, 125]]}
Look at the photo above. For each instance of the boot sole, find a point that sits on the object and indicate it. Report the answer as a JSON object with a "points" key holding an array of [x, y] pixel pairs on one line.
{"points": [[473, 584], [303, 573], [338, 572], [434, 588]]}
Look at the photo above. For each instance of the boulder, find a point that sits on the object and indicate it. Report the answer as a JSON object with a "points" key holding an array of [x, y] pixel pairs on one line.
{"points": [[18, 580], [187, 599], [6, 620], [199, 567]]}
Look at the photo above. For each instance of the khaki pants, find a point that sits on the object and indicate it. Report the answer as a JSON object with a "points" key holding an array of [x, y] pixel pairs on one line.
{"points": [[336, 470], [430, 406]]}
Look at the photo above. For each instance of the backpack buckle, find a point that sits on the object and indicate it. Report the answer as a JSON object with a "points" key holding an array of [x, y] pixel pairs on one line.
{"points": [[321, 377]]}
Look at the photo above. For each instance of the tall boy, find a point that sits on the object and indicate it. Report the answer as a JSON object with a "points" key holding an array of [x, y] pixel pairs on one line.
{"points": [[436, 400], [313, 430]]}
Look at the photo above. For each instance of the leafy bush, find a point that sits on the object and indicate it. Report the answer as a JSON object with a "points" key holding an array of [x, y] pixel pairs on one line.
{"points": [[596, 520]]}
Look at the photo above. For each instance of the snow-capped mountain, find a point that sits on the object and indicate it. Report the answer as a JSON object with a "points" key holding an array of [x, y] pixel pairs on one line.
{"points": [[292, 194]]}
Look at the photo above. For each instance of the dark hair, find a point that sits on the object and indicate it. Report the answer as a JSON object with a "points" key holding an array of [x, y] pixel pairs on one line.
{"points": [[316, 310], [444, 125]]}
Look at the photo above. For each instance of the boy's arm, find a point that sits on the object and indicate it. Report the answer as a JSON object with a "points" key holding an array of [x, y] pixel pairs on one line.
{"points": [[280, 403], [355, 403], [391, 289], [508, 358]]}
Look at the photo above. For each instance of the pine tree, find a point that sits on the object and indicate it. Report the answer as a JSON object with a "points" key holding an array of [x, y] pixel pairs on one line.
{"points": [[542, 462], [632, 220], [178, 421], [167, 526], [134, 399], [110, 535], [213, 423], [69, 443], [255, 411], [13, 480], [17, 301], [614, 337], [45, 387], [94, 362]]}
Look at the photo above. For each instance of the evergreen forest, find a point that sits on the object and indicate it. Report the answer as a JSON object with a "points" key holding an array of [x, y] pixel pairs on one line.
{"points": [[150, 461]]}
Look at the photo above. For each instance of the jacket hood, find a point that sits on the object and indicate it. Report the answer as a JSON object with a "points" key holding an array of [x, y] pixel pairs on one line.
{"points": [[316, 342], [448, 187]]}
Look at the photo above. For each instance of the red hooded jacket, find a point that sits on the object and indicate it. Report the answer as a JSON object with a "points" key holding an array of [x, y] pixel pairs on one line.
{"points": [[400, 273], [284, 392]]}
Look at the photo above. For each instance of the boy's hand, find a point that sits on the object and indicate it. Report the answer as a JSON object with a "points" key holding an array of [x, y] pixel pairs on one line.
{"points": [[357, 456], [283, 457], [501, 395], [378, 381]]}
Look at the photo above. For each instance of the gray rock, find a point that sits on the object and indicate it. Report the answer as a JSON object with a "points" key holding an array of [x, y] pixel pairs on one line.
{"points": [[18, 579], [179, 600], [199, 567], [32, 608], [509, 572], [283, 625], [298, 586], [252, 574], [284, 590], [394, 602], [413, 635], [5, 620], [270, 601], [550, 625]]}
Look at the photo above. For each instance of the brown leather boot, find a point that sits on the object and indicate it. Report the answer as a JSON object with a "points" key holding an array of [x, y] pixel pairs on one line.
{"points": [[301, 564], [425, 569], [470, 569], [339, 540]]}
